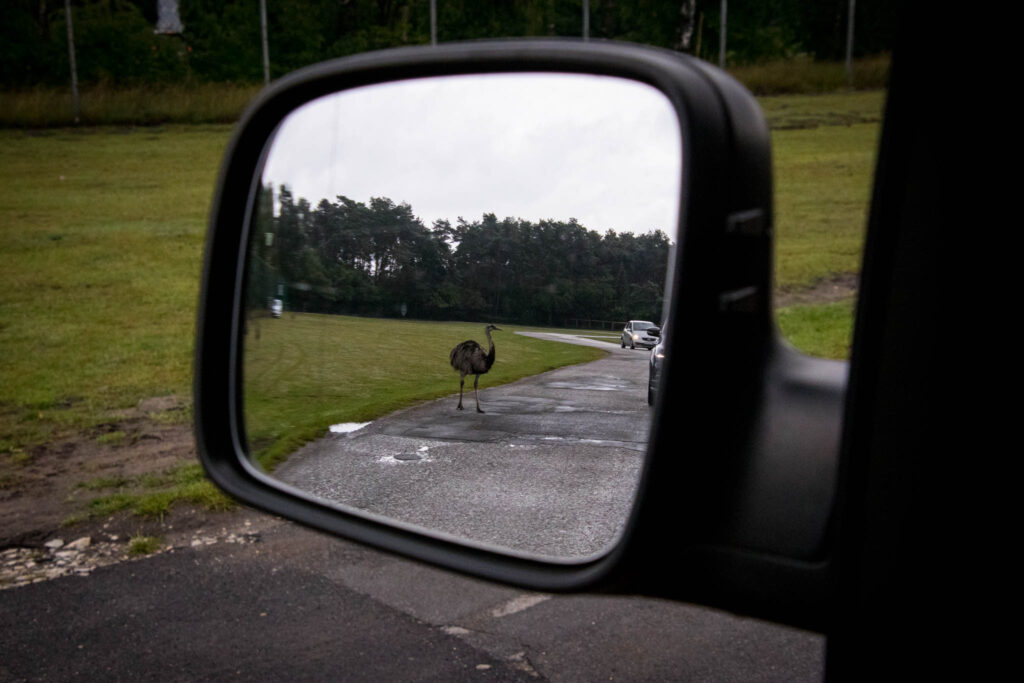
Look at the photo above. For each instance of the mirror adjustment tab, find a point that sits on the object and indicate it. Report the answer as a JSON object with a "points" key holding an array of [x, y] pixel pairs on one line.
{"points": [[743, 300], [750, 222]]}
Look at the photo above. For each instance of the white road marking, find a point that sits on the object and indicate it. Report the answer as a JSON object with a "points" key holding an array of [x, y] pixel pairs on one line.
{"points": [[518, 604], [455, 630]]}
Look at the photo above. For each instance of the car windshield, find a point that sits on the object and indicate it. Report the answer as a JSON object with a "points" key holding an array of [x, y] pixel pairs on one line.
{"points": [[641, 325]]}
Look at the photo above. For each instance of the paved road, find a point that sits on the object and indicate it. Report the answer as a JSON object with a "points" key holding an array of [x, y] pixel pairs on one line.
{"points": [[298, 605], [550, 468]]}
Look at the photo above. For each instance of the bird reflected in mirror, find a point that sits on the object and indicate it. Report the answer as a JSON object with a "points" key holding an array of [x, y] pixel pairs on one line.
{"points": [[469, 358]]}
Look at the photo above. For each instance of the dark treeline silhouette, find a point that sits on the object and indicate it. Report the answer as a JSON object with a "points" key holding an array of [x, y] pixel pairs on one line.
{"points": [[378, 259], [221, 39]]}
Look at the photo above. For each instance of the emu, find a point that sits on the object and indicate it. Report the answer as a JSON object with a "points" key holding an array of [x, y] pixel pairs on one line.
{"points": [[468, 358]]}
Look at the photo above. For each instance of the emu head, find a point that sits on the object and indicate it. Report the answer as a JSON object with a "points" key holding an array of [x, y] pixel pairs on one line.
{"points": [[493, 327]]}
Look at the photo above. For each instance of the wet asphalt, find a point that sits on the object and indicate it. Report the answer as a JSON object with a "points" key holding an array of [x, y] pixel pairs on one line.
{"points": [[296, 605], [293, 604], [550, 468]]}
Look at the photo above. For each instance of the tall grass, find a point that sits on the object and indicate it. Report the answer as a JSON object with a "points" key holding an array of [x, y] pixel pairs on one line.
{"points": [[803, 75], [102, 104]]}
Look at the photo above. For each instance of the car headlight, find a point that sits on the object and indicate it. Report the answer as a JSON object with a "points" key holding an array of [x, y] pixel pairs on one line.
{"points": [[636, 335]]}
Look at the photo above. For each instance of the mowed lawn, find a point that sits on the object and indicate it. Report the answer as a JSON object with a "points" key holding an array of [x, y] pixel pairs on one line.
{"points": [[305, 372], [823, 180], [101, 235]]}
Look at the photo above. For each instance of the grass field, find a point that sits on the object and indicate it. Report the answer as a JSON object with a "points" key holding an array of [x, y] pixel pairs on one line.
{"points": [[101, 233], [824, 330], [822, 192], [304, 372]]}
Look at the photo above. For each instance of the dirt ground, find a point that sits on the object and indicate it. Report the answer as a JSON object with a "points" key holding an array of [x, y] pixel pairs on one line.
{"points": [[39, 496], [835, 288]]}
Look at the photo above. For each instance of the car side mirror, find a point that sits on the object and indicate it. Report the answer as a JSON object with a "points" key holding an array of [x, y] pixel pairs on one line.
{"points": [[722, 393]]}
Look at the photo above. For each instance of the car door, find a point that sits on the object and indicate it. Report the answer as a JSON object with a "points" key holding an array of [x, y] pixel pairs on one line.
{"points": [[775, 487], [734, 394]]}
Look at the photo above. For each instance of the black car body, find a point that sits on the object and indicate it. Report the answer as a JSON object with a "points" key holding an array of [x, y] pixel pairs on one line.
{"points": [[655, 363]]}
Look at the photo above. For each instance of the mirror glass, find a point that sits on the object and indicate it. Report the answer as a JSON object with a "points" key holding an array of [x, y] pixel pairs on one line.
{"points": [[441, 274]]}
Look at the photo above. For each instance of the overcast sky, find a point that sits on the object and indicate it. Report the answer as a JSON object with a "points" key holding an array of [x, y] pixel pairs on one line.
{"points": [[603, 150]]}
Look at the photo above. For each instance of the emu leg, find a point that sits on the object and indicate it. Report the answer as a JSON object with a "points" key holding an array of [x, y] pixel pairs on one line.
{"points": [[476, 381], [462, 381]]}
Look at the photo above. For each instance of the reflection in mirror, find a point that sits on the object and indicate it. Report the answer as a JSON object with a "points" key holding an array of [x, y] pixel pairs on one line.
{"points": [[439, 278]]}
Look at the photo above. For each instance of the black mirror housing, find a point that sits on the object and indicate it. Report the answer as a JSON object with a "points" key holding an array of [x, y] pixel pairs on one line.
{"points": [[725, 391]]}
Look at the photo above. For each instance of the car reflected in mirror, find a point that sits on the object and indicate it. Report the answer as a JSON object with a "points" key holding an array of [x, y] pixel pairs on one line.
{"points": [[639, 334], [429, 232], [655, 363]]}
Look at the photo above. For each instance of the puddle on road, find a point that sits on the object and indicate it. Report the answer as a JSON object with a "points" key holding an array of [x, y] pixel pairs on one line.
{"points": [[580, 386], [421, 455]]}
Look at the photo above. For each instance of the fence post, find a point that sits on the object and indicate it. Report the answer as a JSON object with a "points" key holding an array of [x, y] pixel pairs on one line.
{"points": [[76, 110], [721, 35], [433, 22], [849, 43], [266, 46]]}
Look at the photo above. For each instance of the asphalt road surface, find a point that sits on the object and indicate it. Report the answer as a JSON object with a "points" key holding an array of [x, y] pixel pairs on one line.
{"points": [[549, 469], [285, 603], [296, 605]]}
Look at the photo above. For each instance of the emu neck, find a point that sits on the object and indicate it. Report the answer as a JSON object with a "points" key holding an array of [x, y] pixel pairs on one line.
{"points": [[490, 350]]}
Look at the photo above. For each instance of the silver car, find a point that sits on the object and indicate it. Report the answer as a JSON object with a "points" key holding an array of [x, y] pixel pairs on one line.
{"points": [[635, 334]]}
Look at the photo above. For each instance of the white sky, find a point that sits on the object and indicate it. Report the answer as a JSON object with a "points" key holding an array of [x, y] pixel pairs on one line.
{"points": [[603, 150]]}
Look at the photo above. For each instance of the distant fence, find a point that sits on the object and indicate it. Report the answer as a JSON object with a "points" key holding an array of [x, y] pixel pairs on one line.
{"points": [[588, 324]]}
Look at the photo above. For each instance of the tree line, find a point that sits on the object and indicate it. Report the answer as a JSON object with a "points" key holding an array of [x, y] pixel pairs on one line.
{"points": [[378, 259], [221, 39]]}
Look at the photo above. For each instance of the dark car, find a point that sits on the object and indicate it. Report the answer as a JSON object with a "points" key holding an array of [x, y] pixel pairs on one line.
{"points": [[654, 366], [639, 333]]}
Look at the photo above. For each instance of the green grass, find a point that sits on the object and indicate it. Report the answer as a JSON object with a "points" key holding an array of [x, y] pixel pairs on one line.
{"points": [[100, 483], [154, 495], [143, 545], [790, 112], [824, 331], [823, 179], [305, 372], [111, 438], [101, 234]]}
